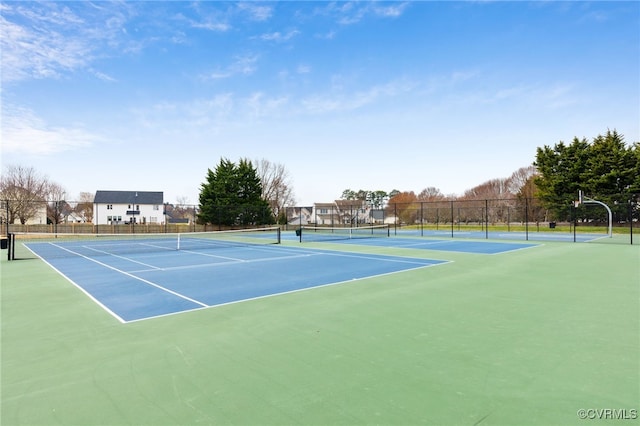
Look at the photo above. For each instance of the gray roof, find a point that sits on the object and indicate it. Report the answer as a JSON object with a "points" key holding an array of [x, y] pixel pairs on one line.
{"points": [[128, 197]]}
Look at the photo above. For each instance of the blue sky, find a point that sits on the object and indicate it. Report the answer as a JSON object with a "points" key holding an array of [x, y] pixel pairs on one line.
{"points": [[346, 95]]}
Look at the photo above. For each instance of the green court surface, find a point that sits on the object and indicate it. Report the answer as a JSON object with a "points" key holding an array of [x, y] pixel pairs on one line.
{"points": [[525, 337]]}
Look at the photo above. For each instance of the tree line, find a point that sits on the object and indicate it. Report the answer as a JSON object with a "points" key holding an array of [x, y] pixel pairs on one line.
{"points": [[256, 192], [24, 193], [605, 169]]}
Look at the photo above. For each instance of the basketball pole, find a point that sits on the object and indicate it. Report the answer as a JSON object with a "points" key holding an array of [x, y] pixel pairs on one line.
{"points": [[586, 200]]}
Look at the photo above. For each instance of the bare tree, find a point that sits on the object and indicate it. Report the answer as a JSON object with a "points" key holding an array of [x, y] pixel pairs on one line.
{"points": [[84, 208], [183, 209], [491, 189], [57, 207], [519, 179], [431, 194], [182, 200], [24, 191], [276, 185]]}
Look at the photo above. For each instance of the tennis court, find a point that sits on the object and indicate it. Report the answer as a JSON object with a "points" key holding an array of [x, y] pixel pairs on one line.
{"points": [[141, 276], [381, 236], [513, 235], [523, 336]]}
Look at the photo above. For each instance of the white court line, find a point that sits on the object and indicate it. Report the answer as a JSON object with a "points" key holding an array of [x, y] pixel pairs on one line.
{"points": [[298, 290], [120, 257], [386, 258], [89, 295], [232, 262], [423, 243], [212, 255], [132, 276]]}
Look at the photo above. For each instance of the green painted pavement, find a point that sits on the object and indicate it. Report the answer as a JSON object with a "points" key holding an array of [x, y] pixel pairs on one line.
{"points": [[528, 337]]}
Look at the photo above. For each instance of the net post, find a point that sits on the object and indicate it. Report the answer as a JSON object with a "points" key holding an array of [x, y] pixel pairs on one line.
{"points": [[574, 213], [11, 246]]}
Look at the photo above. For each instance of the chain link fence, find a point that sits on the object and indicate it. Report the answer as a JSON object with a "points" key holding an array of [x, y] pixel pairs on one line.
{"points": [[509, 218], [512, 218], [20, 216]]}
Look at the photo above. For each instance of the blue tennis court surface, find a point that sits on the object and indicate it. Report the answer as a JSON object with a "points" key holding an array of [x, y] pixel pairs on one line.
{"points": [[451, 245], [513, 235], [139, 285], [477, 247]]}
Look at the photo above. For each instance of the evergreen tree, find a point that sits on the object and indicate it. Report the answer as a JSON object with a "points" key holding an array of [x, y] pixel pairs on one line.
{"points": [[605, 169], [231, 196], [562, 170], [253, 208]]}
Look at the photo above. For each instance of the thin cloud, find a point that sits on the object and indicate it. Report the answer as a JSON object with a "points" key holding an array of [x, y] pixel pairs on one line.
{"points": [[255, 11], [341, 102], [38, 52], [102, 76], [49, 39], [261, 105], [349, 13], [303, 69], [211, 26], [392, 11], [25, 133], [278, 36], [241, 65]]}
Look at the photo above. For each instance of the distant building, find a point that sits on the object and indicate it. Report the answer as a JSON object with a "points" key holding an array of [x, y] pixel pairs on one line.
{"points": [[342, 213], [125, 207], [299, 215]]}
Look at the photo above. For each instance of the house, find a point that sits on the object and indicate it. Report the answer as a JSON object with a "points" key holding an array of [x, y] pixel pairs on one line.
{"points": [[341, 213], [124, 207], [37, 214], [324, 214], [179, 214], [299, 215]]}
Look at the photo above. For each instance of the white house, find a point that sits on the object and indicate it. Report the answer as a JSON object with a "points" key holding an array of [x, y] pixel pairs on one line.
{"points": [[299, 215], [341, 212], [39, 216], [118, 207]]}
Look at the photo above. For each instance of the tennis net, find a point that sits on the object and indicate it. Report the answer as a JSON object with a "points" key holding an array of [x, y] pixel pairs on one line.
{"points": [[92, 245], [328, 233]]}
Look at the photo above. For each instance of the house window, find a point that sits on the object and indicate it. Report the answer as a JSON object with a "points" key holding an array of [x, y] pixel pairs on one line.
{"points": [[109, 218], [324, 211], [109, 206], [153, 219], [156, 207]]}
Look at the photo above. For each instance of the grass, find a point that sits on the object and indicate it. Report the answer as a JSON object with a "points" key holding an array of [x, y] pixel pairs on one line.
{"points": [[527, 337]]}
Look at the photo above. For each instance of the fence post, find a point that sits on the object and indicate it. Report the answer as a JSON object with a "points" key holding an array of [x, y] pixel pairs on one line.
{"points": [[526, 218], [451, 218], [6, 204], [631, 219], [486, 225]]}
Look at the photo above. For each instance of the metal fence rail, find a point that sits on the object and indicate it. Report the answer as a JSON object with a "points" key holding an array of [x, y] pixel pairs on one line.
{"points": [[525, 218], [477, 218]]}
